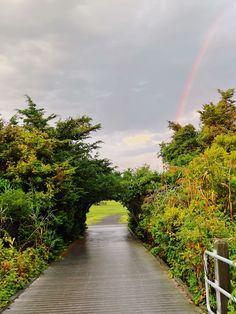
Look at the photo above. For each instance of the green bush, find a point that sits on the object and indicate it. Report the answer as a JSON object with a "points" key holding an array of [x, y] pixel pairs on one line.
{"points": [[17, 268]]}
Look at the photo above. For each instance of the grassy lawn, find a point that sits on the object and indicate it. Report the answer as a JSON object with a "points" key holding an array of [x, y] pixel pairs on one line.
{"points": [[105, 209]]}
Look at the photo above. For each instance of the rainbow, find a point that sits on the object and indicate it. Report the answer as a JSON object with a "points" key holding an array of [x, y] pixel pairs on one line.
{"points": [[195, 67]]}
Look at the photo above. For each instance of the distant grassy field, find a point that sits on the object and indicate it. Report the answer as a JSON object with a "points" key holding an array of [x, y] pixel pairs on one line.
{"points": [[105, 209]]}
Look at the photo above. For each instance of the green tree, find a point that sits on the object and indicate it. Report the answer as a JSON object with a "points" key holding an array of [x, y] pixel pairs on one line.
{"points": [[183, 147], [218, 118], [34, 117], [136, 186], [57, 167]]}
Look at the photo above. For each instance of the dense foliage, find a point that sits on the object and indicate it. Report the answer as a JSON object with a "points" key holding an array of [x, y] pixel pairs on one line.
{"points": [[180, 213], [49, 178]]}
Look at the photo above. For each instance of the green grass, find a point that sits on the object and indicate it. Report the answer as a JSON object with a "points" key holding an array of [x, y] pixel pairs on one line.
{"points": [[106, 209]]}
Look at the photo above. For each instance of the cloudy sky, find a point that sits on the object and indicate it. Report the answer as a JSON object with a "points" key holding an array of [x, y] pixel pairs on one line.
{"points": [[129, 64]]}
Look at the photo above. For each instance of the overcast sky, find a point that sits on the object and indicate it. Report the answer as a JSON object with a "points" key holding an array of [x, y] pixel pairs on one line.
{"points": [[129, 64]]}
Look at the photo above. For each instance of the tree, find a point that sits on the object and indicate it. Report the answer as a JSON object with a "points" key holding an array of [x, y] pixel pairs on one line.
{"points": [[183, 147], [56, 167], [218, 118], [34, 117], [136, 185], [75, 129]]}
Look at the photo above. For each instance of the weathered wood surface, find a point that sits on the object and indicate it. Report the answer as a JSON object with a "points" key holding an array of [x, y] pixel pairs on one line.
{"points": [[107, 272]]}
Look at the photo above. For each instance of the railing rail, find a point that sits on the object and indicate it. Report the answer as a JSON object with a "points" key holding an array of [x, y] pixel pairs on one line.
{"points": [[215, 284]]}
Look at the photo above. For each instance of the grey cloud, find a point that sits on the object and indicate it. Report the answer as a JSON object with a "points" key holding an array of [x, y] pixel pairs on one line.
{"points": [[123, 62]]}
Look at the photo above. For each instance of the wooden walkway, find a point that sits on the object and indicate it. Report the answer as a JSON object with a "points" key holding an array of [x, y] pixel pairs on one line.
{"points": [[107, 272]]}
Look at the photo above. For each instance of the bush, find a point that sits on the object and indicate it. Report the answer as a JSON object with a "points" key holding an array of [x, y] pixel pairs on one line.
{"points": [[17, 268], [191, 207]]}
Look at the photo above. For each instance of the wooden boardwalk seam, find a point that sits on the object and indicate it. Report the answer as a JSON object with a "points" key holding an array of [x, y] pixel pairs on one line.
{"points": [[107, 272]]}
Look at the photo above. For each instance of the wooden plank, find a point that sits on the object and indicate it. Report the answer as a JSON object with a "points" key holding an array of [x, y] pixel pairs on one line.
{"points": [[222, 276]]}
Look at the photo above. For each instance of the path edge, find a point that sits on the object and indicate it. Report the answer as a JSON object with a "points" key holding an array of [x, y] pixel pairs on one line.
{"points": [[61, 255], [200, 308]]}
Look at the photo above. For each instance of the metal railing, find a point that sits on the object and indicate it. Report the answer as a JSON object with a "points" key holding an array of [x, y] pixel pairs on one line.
{"points": [[215, 284]]}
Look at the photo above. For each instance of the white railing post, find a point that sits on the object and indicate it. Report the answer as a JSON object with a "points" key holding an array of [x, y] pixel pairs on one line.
{"points": [[222, 283]]}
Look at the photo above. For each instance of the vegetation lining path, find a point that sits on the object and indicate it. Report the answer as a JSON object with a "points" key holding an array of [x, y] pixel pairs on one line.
{"points": [[106, 272]]}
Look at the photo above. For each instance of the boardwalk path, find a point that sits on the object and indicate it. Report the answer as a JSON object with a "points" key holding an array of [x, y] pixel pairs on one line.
{"points": [[107, 272]]}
